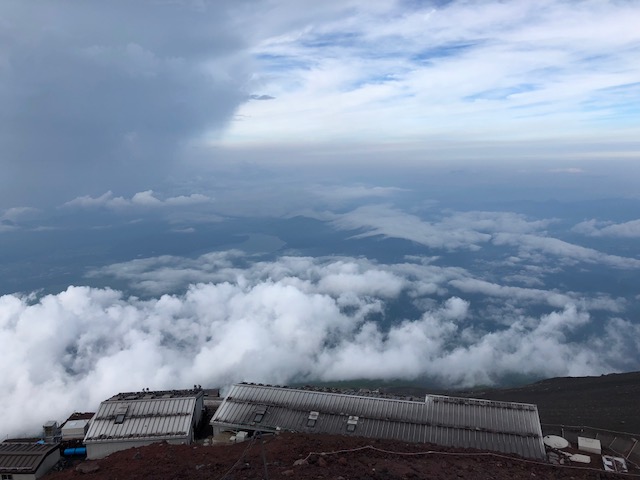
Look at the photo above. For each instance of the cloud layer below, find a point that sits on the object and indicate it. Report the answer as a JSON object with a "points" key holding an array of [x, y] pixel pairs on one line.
{"points": [[291, 319], [597, 228], [470, 230]]}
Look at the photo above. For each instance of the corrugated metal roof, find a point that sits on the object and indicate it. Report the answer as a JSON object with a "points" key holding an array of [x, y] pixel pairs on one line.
{"points": [[145, 418], [460, 422], [23, 457]]}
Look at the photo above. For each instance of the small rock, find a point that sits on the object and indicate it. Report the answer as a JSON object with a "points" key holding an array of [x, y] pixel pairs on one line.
{"points": [[87, 467], [302, 461], [137, 456], [342, 461], [322, 462], [288, 473], [198, 467]]}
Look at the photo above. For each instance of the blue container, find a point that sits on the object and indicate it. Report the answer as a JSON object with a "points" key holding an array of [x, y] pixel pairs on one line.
{"points": [[68, 452]]}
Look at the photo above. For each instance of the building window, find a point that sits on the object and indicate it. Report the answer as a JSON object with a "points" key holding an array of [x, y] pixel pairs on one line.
{"points": [[7, 477], [259, 414], [313, 418], [352, 423], [121, 413]]}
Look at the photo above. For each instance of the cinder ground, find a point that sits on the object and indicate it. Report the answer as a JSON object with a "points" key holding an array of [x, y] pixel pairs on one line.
{"points": [[246, 461], [610, 401], [607, 401]]}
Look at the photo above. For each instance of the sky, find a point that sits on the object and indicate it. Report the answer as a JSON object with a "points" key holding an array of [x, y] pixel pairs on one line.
{"points": [[281, 191], [127, 96]]}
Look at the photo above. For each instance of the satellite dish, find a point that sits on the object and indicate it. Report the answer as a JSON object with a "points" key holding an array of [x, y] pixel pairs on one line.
{"points": [[554, 441]]}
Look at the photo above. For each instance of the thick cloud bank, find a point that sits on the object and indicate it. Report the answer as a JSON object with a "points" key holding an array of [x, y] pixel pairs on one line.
{"points": [[293, 319], [112, 91]]}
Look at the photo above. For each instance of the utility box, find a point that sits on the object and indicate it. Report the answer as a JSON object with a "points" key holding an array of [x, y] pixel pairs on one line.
{"points": [[75, 429], [589, 445], [51, 431]]}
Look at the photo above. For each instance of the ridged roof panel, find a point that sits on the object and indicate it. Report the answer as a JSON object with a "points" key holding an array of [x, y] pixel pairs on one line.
{"points": [[146, 418], [460, 422], [23, 457]]}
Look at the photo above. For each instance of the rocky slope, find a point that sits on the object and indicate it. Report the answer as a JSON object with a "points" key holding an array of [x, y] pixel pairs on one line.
{"points": [[346, 458]]}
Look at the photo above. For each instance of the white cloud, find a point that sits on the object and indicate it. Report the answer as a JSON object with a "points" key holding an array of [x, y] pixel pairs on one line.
{"points": [[470, 230], [13, 219], [494, 222], [472, 285], [158, 275], [350, 278], [19, 213], [389, 222], [537, 73], [87, 201], [594, 228], [145, 199], [184, 200], [567, 252], [521, 296], [589, 227], [292, 319]]}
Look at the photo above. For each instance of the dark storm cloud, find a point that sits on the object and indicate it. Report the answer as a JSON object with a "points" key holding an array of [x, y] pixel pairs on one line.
{"points": [[96, 93]]}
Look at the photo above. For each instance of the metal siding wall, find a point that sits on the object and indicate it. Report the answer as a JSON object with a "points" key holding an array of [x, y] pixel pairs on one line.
{"points": [[24, 476], [48, 463]]}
